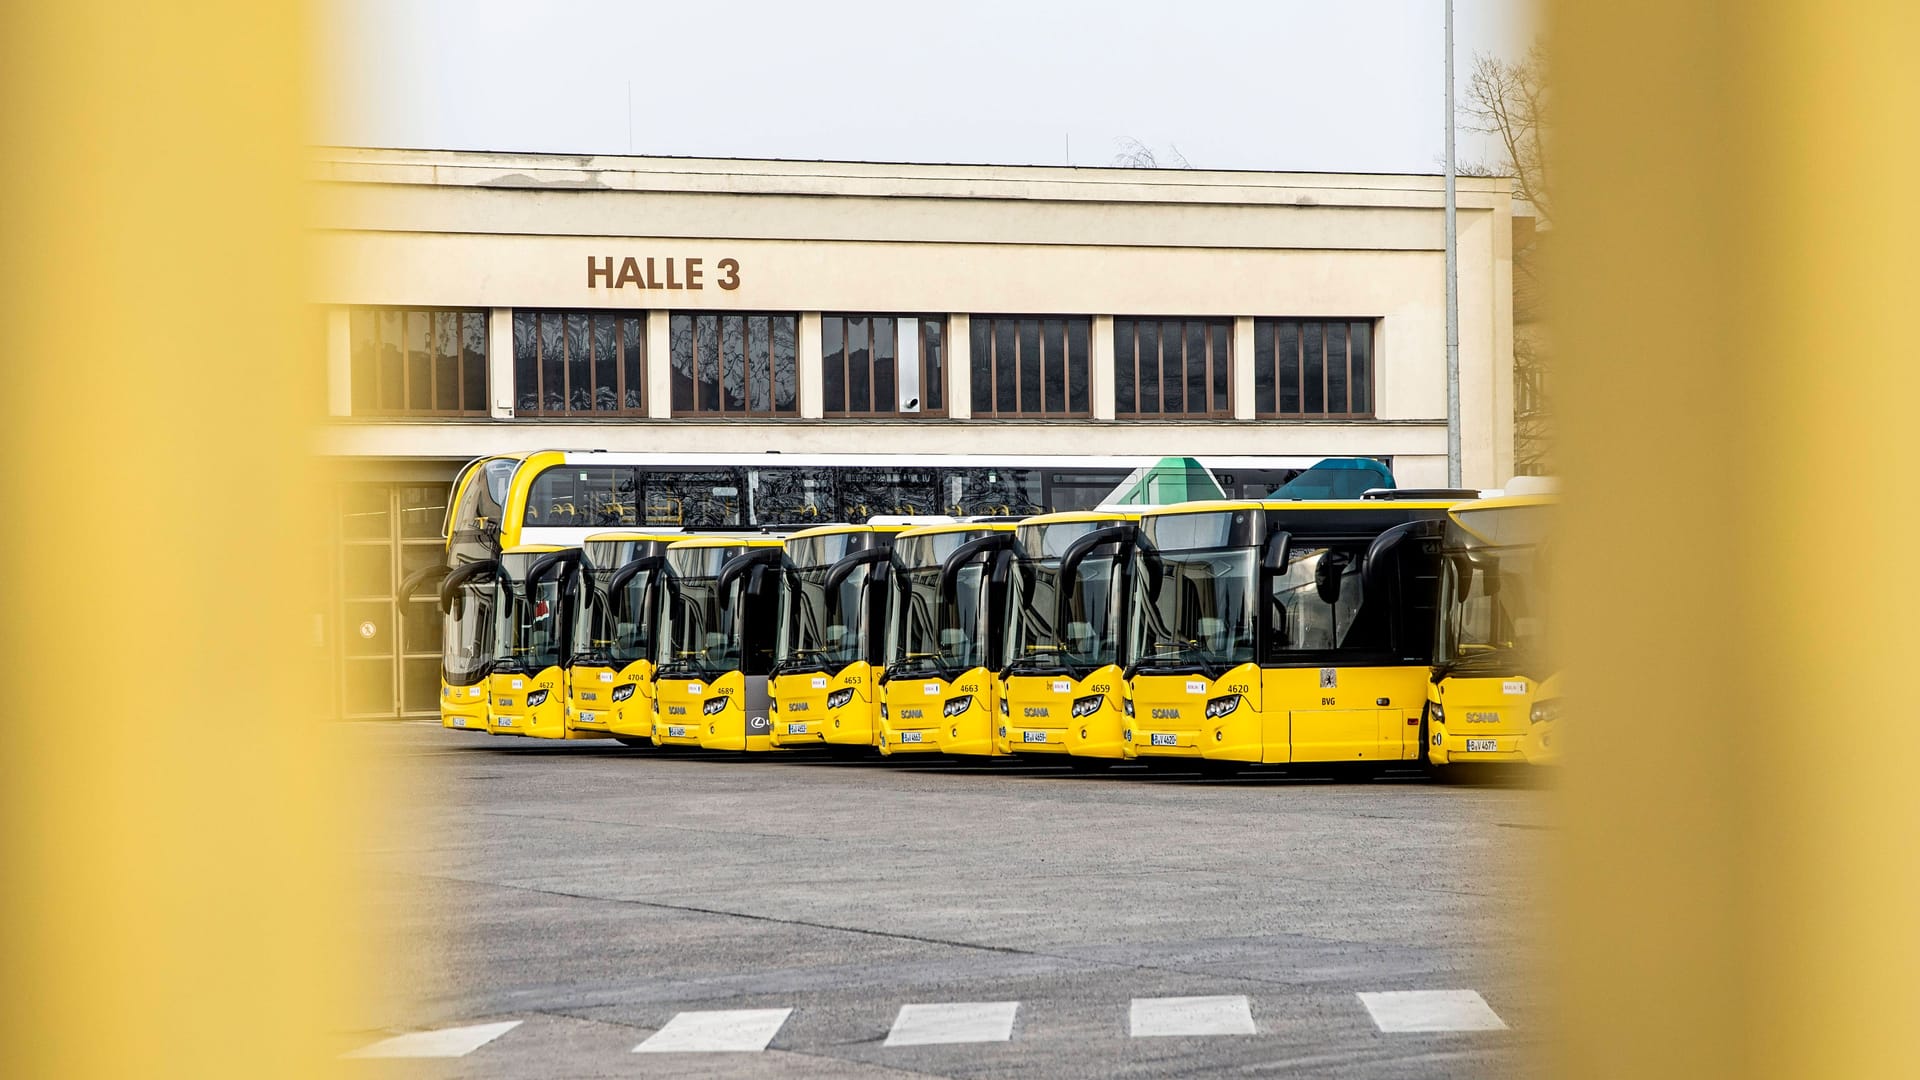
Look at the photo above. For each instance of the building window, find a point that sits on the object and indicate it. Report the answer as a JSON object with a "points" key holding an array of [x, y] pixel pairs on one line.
{"points": [[1030, 366], [883, 365], [1172, 367], [419, 361], [573, 362], [734, 365], [1311, 367]]}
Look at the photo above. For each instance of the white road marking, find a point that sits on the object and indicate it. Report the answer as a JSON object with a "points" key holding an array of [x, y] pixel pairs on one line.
{"points": [[953, 1022], [718, 1031], [444, 1043], [1225, 1015], [1431, 1010]]}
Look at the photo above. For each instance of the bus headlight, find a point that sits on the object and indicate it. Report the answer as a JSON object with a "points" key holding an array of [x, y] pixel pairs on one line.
{"points": [[1435, 713], [1545, 711], [1005, 709], [622, 693], [883, 710], [1087, 706], [1222, 706], [1126, 706], [839, 698], [538, 697], [714, 706], [957, 705]]}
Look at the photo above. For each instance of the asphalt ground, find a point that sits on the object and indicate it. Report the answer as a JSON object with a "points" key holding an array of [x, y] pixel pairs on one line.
{"points": [[589, 894]]}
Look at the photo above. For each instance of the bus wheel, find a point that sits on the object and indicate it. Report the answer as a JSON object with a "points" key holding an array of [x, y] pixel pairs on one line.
{"points": [[630, 740]]}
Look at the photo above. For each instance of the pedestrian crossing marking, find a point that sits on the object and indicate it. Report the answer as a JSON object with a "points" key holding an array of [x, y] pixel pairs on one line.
{"points": [[716, 1031], [442, 1043], [1431, 1010], [953, 1022], [1227, 1014]]}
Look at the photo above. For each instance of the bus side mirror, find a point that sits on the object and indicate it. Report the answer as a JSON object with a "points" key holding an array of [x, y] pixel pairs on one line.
{"points": [[1275, 559], [1328, 574]]}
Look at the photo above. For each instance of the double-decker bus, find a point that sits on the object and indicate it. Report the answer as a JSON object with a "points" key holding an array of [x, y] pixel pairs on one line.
{"points": [[471, 531], [946, 628], [715, 624], [1061, 686], [832, 635], [1494, 695], [1285, 632], [610, 668]]}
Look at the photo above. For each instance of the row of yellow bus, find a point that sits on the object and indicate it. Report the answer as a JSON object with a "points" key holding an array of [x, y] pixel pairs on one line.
{"points": [[1398, 627]]}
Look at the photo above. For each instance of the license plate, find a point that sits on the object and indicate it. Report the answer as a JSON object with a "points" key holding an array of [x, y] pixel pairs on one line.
{"points": [[459, 721], [506, 721], [1033, 736], [1483, 745], [796, 729], [676, 732], [1157, 739], [586, 718], [910, 736]]}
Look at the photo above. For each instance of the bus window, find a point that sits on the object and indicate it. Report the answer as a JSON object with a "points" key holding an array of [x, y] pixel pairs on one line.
{"points": [[792, 495], [987, 490], [866, 491], [694, 498], [1318, 604], [573, 496]]}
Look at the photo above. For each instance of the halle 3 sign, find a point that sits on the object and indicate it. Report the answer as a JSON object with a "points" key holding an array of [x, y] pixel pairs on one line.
{"points": [[672, 273]]}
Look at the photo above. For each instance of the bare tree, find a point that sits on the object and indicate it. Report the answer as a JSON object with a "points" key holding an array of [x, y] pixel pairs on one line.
{"points": [[1508, 99], [1135, 154]]}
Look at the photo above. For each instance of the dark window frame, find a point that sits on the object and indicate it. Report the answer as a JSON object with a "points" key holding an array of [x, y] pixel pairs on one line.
{"points": [[1217, 368], [722, 332], [365, 381], [619, 317], [989, 365], [1271, 360], [945, 335]]}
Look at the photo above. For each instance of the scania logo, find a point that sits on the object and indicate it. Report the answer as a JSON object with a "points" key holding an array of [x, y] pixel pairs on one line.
{"points": [[956, 705], [1087, 706], [1483, 718], [1166, 714], [910, 714], [839, 698], [797, 706], [589, 695], [677, 710], [714, 706], [1035, 710]]}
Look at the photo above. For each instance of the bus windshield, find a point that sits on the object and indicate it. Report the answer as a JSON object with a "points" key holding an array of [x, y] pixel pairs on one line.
{"points": [[1090, 637], [628, 620], [697, 636], [527, 630], [821, 629], [1493, 618], [923, 633], [1197, 608], [466, 644]]}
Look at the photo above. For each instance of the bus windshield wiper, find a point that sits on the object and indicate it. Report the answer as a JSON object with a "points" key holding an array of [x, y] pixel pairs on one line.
{"points": [[1045, 662]]}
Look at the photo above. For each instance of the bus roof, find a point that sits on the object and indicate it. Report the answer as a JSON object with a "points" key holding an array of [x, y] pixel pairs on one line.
{"points": [[1507, 520], [619, 536], [958, 526], [725, 541], [535, 549], [891, 528], [1068, 517]]}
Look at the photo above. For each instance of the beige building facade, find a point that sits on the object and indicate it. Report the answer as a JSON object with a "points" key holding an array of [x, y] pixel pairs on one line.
{"points": [[482, 302]]}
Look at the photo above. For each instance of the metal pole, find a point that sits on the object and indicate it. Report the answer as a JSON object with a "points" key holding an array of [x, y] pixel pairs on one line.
{"points": [[1452, 275], [1453, 285]]}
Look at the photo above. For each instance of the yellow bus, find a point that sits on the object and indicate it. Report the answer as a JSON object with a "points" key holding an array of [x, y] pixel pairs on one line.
{"points": [[1061, 688], [1285, 632], [832, 636], [471, 530], [1494, 695], [527, 678], [716, 620], [610, 669], [946, 632]]}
